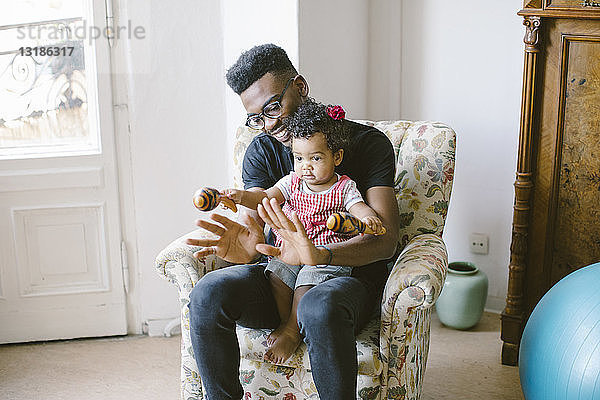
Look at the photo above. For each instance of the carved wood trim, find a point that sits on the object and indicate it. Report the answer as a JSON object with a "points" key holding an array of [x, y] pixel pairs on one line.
{"points": [[572, 4], [560, 13], [532, 4], [512, 316], [532, 25]]}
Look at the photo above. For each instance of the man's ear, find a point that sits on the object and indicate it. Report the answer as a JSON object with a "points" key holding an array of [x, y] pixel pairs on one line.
{"points": [[338, 156], [302, 85]]}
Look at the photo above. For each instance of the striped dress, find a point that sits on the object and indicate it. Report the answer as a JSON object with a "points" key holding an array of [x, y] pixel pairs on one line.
{"points": [[313, 209]]}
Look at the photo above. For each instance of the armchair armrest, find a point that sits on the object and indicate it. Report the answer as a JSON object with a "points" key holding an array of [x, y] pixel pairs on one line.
{"points": [[177, 263], [412, 288], [418, 275]]}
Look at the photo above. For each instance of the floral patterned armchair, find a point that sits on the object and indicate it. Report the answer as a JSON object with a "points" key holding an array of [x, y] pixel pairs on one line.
{"points": [[392, 350]]}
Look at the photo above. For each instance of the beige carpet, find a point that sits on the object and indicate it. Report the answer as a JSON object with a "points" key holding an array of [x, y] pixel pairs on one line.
{"points": [[462, 365], [132, 368], [466, 364]]}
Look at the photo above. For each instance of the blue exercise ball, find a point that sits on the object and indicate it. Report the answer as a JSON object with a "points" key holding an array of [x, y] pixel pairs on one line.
{"points": [[559, 356]]}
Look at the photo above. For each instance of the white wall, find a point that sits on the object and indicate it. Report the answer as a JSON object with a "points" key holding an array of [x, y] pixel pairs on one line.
{"points": [[462, 64], [333, 52], [178, 136], [245, 25], [385, 60]]}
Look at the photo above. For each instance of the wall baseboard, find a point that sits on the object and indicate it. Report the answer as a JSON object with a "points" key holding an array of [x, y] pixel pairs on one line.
{"points": [[495, 304], [161, 327]]}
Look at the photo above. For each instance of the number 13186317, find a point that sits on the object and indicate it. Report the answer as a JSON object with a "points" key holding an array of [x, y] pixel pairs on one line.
{"points": [[46, 51]]}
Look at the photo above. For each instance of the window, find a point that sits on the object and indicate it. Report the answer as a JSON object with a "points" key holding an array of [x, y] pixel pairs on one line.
{"points": [[48, 95]]}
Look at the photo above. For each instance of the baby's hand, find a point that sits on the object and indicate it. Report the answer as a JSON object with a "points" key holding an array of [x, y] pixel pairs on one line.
{"points": [[234, 194], [375, 224]]}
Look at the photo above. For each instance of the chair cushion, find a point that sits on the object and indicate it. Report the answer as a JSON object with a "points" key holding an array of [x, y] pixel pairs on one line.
{"points": [[253, 345]]}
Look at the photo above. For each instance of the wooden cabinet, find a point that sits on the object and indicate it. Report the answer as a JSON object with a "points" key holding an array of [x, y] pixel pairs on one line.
{"points": [[556, 221], [568, 4]]}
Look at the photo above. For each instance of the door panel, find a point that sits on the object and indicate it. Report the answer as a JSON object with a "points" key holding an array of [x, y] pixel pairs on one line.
{"points": [[60, 271]]}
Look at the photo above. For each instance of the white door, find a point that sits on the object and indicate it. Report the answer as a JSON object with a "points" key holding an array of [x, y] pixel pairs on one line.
{"points": [[60, 261]]}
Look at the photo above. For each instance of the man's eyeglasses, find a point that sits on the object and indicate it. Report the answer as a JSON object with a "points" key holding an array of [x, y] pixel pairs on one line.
{"points": [[271, 110]]}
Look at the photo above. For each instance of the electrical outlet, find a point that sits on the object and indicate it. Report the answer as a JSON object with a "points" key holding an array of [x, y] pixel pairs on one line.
{"points": [[478, 243]]}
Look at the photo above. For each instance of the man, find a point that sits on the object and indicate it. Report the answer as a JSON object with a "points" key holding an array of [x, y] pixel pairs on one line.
{"points": [[330, 314]]}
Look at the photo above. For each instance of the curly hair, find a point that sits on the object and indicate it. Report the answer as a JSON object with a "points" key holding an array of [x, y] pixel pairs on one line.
{"points": [[254, 63], [312, 117]]}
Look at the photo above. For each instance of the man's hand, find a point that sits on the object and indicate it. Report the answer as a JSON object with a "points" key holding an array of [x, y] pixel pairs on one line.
{"points": [[296, 248], [235, 243]]}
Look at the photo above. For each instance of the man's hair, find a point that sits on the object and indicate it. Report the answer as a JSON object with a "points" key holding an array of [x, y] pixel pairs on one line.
{"points": [[254, 63], [312, 117]]}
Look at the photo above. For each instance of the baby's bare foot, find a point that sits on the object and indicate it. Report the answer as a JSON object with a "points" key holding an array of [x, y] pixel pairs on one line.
{"points": [[274, 335], [284, 346]]}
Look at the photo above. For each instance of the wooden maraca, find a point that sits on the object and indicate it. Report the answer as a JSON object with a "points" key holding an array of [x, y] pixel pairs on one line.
{"points": [[207, 199], [348, 224]]}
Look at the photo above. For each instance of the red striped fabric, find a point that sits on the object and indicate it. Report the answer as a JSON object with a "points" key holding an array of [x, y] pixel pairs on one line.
{"points": [[313, 209]]}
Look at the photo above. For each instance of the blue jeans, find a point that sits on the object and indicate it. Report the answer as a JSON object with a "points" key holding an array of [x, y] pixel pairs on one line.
{"points": [[295, 276], [329, 315]]}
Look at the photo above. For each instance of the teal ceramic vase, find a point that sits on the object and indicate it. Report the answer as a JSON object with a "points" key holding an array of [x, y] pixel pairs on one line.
{"points": [[463, 297]]}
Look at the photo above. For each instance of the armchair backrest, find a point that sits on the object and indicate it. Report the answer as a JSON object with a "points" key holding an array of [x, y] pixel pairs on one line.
{"points": [[424, 171]]}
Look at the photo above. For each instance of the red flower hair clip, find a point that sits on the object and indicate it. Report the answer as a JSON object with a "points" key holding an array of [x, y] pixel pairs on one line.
{"points": [[336, 112]]}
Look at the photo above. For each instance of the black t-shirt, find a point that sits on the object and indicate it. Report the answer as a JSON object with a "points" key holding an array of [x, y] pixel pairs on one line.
{"points": [[368, 160]]}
